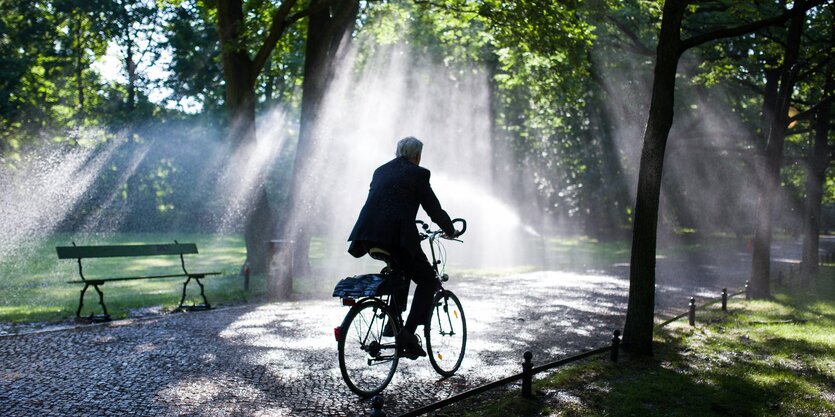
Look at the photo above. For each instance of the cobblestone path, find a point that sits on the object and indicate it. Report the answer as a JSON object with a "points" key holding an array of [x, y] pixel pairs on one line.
{"points": [[280, 359]]}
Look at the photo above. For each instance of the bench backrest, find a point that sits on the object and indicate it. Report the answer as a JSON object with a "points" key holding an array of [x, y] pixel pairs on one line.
{"points": [[113, 251]]}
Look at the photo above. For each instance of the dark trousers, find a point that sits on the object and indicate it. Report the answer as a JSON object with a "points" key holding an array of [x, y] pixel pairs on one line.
{"points": [[418, 269]]}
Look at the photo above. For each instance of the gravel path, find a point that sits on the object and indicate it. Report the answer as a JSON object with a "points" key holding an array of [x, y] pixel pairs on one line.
{"points": [[280, 359]]}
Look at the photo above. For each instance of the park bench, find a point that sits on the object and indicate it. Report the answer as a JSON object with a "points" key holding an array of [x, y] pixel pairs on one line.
{"points": [[114, 251]]}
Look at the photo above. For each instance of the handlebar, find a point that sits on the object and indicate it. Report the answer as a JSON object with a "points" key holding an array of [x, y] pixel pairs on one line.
{"points": [[425, 226], [463, 225]]}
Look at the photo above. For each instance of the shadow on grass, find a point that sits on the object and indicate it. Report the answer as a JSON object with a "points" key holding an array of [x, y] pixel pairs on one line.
{"points": [[694, 373], [731, 383]]}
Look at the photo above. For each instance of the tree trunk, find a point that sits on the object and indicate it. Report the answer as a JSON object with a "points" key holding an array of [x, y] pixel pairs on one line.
{"points": [[761, 258], [819, 156], [637, 334], [240, 103], [268, 87], [772, 83], [615, 181], [130, 65], [325, 32], [79, 68]]}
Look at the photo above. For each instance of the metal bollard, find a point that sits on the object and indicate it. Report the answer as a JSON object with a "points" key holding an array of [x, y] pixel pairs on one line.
{"points": [[246, 271], [724, 299], [692, 315], [747, 295], [615, 345], [377, 405], [779, 277], [527, 376]]}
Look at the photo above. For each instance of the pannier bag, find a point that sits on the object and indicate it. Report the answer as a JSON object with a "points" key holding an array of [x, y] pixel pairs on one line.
{"points": [[367, 285]]}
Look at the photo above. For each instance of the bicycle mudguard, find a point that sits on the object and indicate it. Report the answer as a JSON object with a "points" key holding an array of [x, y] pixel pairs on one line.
{"points": [[367, 285]]}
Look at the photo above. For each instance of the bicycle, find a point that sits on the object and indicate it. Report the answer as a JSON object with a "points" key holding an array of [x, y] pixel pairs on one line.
{"points": [[368, 354]]}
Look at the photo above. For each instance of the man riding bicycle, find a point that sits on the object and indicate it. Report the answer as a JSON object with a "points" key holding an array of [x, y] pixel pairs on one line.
{"points": [[387, 222]]}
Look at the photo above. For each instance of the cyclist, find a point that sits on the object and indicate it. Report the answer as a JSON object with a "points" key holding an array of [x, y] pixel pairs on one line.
{"points": [[387, 221]]}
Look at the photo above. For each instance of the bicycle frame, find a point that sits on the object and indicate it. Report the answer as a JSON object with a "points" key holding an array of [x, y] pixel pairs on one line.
{"points": [[433, 241], [375, 319], [440, 278]]}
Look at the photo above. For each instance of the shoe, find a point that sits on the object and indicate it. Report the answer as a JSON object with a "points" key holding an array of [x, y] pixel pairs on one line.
{"points": [[409, 345]]}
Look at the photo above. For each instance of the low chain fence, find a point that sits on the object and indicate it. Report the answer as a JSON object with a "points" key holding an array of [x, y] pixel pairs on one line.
{"points": [[528, 370]]}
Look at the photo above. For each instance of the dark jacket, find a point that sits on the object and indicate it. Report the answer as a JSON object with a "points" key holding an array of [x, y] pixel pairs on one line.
{"points": [[388, 216]]}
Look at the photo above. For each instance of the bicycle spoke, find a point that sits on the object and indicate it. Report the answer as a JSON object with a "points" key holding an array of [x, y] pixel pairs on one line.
{"points": [[367, 364], [447, 338]]}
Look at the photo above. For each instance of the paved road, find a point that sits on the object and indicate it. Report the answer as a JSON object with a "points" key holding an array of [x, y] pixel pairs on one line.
{"points": [[280, 359]]}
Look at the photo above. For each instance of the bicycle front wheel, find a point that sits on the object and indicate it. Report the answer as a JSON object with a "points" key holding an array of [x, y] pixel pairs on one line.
{"points": [[367, 359], [446, 333]]}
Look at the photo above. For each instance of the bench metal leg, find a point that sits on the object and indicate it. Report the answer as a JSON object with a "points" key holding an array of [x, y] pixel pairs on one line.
{"points": [[101, 301], [92, 318], [81, 301], [204, 306], [203, 293]]}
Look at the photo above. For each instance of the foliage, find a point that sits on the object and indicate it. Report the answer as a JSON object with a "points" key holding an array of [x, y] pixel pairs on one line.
{"points": [[46, 85], [195, 69], [569, 86], [196, 74]]}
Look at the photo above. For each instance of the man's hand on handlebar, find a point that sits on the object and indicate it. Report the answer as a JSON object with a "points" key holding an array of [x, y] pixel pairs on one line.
{"points": [[426, 232], [454, 235]]}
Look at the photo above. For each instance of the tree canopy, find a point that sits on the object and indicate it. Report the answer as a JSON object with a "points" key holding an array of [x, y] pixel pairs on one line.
{"points": [[571, 88]]}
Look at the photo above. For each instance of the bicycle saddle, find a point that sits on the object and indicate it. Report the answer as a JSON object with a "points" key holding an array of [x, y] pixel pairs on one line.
{"points": [[381, 255]]}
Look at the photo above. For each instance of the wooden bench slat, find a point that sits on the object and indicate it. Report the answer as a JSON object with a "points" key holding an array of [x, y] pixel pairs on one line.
{"points": [[113, 251], [190, 274]]}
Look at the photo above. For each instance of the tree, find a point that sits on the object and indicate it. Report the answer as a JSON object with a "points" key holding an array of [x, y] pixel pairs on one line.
{"points": [[641, 306], [196, 73], [326, 29], [136, 22], [46, 85], [547, 102], [240, 71], [25, 40], [86, 26], [820, 154], [770, 170]]}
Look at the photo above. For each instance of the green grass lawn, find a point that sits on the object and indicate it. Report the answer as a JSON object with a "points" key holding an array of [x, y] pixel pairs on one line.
{"points": [[762, 358], [34, 288], [33, 284]]}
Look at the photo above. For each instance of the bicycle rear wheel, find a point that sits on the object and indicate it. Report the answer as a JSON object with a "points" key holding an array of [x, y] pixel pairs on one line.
{"points": [[446, 333], [367, 359]]}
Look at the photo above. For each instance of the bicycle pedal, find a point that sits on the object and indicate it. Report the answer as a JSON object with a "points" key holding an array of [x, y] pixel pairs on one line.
{"points": [[410, 355]]}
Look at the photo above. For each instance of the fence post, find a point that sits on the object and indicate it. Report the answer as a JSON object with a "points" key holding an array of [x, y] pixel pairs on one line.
{"points": [[246, 272], [377, 406], [724, 299], [692, 314], [615, 345], [527, 376], [747, 295]]}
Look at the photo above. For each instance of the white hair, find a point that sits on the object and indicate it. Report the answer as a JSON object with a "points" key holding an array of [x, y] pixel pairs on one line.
{"points": [[410, 147]]}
